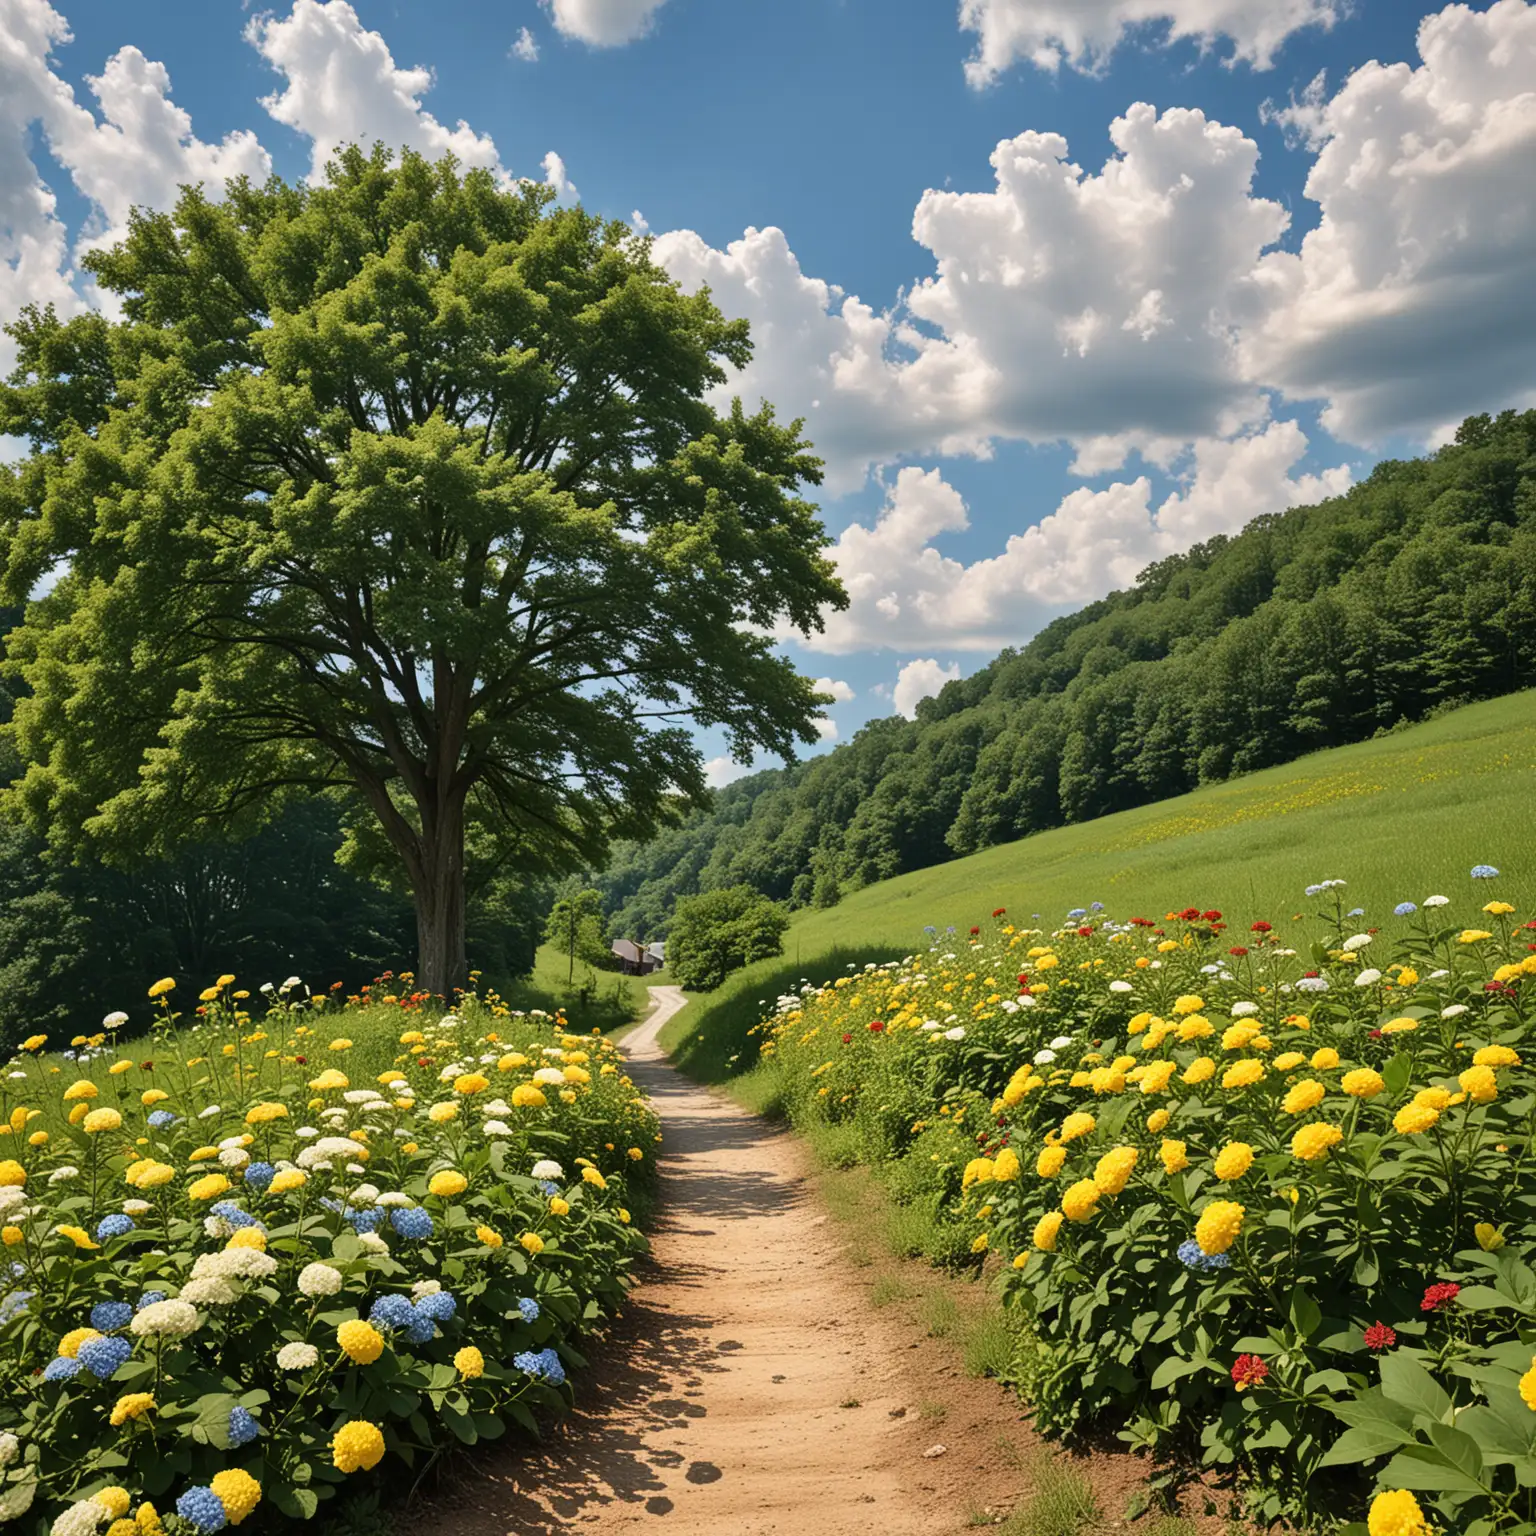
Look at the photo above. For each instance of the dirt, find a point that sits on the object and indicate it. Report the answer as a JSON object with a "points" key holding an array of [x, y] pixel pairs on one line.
{"points": [[751, 1387]]}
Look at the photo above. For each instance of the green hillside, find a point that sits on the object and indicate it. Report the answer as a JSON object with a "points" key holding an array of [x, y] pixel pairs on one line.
{"points": [[1399, 818]]}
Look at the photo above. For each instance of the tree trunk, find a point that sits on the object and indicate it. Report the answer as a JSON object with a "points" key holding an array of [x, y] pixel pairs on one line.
{"points": [[439, 893]]}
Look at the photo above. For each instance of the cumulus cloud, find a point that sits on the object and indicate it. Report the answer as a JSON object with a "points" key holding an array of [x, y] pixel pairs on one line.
{"points": [[1083, 33], [840, 691], [720, 771], [920, 680], [343, 86], [826, 727], [555, 175], [603, 23], [526, 47], [905, 594], [1409, 303]]}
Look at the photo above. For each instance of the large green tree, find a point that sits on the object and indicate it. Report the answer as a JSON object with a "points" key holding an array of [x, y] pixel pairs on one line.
{"points": [[404, 484]]}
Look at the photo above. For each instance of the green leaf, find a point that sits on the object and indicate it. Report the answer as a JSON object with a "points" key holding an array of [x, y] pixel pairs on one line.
{"points": [[1405, 1381], [1306, 1315], [1413, 1469], [299, 1503], [1172, 1369], [1484, 1298], [1458, 1448], [1365, 1442]]}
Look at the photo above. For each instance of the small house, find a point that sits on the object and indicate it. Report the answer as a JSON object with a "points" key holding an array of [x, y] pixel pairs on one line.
{"points": [[635, 959]]}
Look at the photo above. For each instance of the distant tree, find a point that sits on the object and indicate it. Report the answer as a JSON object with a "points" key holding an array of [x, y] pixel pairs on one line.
{"points": [[403, 484], [576, 928], [721, 931]]}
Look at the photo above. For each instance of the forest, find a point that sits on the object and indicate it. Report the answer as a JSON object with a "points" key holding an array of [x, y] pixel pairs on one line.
{"points": [[1413, 593]]}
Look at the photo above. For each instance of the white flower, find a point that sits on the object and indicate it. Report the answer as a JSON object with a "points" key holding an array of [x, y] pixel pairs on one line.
{"points": [[210, 1112], [10, 1446], [234, 1157], [211, 1291], [1436, 901], [1060, 1043], [306, 1132], [171, 1318], [290, 984], [546, 1168], [81, 1519], [1312, 984], [114, 1021], [1455, 1011], [23, 1076], [1243, 1010], [1438, 975], [216, 1226], [957, 1033], [11, 1196], [449, 1021], [1368, 977], [426, 1288], [232, 1141], [267, 988], [371, 1242], [356, 1168], [297, 1357], [496, 1128], [496, 1107], [1209, 970], [363, 1096], [1356, 941], [932, 1024], [1044, 1058], [394, 1197], [555, 1051], [137, 1207], [64, 1174], [365, 1194], [324, 1151], [1027, 1001], [549, 1075], [1119, 986], [319, 1280], [245, 1263]]}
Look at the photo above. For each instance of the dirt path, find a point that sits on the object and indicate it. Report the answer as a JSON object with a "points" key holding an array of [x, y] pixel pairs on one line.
{"points": [[751, 1388]]}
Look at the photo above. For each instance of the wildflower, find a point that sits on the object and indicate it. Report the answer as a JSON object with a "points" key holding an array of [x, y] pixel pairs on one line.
{"points": [[358, 1445], [1484, 872], [1495, 1056], [532, 1242], [1080, 1200], [1473, 936], [469, 1363], [1415, 1119], [1396, 1513], [360, 1342], [77, 1235], [1050, 1161], [1233, 1161], [1380, 1337], [1488, 1236], [130, 1406], [1528, 1386], [1077, 1124], [1218, 1226], [113, 1226], [297, 1357], [1243, 1074], [242, 1428], [1113, 1170], [1175, 1156], [1404, 909], [202, 1508], [1439, 1296], [1362, 1083], [104, 1357], [319, 1280], [447, 1183], [237, 1491], [170, 1319], [1046, 1230], [208, 1186], [1479, 1084], [1157, 1120], [1199, 1070], [1313, 1141], [1193, 1256], [1248, 1371]]}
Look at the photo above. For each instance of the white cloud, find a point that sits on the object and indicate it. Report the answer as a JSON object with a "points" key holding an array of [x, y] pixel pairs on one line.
{"points": [[554, 174], [920, 680], [1410, 303], [637, 222], [343, 86], [603, 23], [826, 727], [526, 47], [1083, 33], [720, 771], [906, 595], [841, 692]]}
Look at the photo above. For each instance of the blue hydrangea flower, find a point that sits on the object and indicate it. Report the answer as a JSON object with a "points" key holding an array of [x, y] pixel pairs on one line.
{"points": [[1095, 906], [1405, 909], [439, 1306], [148, 1299], [109, 1316], [61, 1369], [422, 1330], [392, 1312], [529, 1309], [104, 1358], [410, 1221], [368, 1219], [1484, 872], [233, 1214], [14, 1305], [203, 1508], [116, 1225], [549, 1187], [1078, 912], [159, 1118], [259, 1175], [543, 1364], [1193, 1256], [1355, 912], [243, 1427]]}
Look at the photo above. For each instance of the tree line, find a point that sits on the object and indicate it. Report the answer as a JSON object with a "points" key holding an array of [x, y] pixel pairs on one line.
{"points": [[1412, 592]]}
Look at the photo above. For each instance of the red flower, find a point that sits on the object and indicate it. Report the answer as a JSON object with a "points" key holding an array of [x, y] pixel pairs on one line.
{"points": [[975, 931], [335, 986], [1000, 912], [423, 1061], [301, 1060], [1261, 927], [1309, 974], [1438, 1297], [1211, 917], [1248, 1371], [1085, 933], [1375, 1034], [1023, 978], [1239, 950], [877, 1026], [147, 1066], [1379, 1337], [847, 1039], [1189, 914]]}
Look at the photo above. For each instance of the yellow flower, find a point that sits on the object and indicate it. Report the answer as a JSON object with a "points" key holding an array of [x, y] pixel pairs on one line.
{"points": [[1113, 1171], [12, 1174], [1175, 1156], [329, 1080], [441, 1114], [357, 1445], [225, 980], [360, 1342], [1156, 1074], [471, 1082], [526, 1096], [1188, 1004], [1414, 1119], [1288, 1061], [148, 1520], [1495, 1056], [1313, 1141], [1199, 1070], [248, 1237], [1239, 1035], [1218, 1226], [1498, 909], [1302, 1096], [1050, 1161], [265, 1113], [1233, 1161], [341, 1044], [119, 1067], [1473, 935], [1080, 1199], [1243, 1074], [979, 1244], [286, 1179], [1396, 1513], [105, 1119], [160, 988], [1399, 1026], [1196, 1027], [34, 1042], [1005, 1167], [69, 1345], [1362, 1083], [207, 1187], [114, 1500], [84, 1089], [149, 1174], [132, 1405], [448, 1183], [1157, 1120], [1479, 1084], [237, 1491], [532, 1242], [559, 1207], [1325, 1057], [594, 1178], [1046, 1230], [1435, 1098], [208, 994], [12, 1236], [78, 1236], [1488, 1236], [469, 1363], [1077, 1124], [489, 1236]]}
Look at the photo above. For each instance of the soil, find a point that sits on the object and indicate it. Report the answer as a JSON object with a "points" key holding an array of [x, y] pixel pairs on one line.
{"points": [[751, 1387]]}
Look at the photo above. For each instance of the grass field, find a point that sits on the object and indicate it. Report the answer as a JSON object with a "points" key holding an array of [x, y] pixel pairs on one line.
{"points": [[613, 1001], [1398, 818]]}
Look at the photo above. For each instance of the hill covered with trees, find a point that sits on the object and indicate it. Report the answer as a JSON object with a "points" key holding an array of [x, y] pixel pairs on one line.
{"points": [[1413, 592]]}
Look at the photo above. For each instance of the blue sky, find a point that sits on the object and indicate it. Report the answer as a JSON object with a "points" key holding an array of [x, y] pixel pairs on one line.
{"points": [[1237, 298]]}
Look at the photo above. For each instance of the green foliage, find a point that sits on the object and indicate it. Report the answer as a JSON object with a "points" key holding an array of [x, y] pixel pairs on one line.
{"points": [[1315, 627], [721, 931], [402, 485], [576, 928]]}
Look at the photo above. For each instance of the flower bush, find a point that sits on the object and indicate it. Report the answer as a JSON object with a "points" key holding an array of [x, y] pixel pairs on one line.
{"points": [[251, 1258], [1262, 1189]]}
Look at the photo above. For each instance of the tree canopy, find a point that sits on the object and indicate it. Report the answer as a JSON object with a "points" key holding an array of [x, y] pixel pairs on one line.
{"points": [[402, 487]]}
